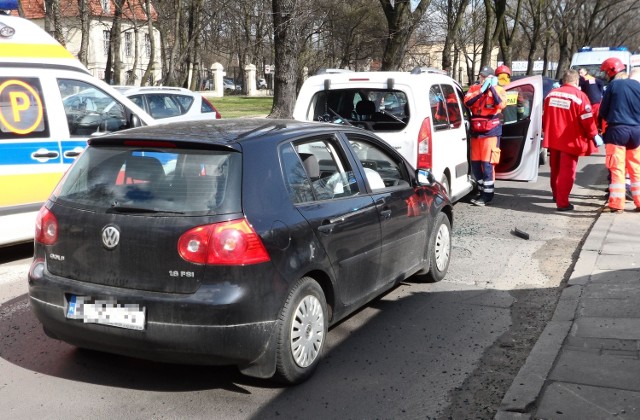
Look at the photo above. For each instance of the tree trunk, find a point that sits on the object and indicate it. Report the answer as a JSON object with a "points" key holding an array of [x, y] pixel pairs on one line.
{"points": [[401, 22], [52, 23], [170, 77], [287, 23], [152, 45], [454, 22], [85, 28]]}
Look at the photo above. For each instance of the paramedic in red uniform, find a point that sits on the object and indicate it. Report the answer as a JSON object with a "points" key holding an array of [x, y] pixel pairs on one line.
{"points": [[620, 109], [569, 132], [485, 100]]}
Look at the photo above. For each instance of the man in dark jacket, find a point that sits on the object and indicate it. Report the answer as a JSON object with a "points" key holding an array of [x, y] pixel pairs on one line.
{"points": [[594, 89]]}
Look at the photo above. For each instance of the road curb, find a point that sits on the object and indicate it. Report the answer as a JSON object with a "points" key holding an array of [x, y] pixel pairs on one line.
{"points": [[521, 398]]}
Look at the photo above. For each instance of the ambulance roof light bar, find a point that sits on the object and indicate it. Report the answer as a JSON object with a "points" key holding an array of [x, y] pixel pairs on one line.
{"points": [[587, 49], [6, 6]]}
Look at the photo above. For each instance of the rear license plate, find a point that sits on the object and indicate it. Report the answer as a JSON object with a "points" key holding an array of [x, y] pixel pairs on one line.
{"points": [[106, 312]]}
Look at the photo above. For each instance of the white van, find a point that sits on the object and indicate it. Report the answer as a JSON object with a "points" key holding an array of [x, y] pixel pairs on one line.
{"points": [[591, 58], [49, 105], [421, 114]]}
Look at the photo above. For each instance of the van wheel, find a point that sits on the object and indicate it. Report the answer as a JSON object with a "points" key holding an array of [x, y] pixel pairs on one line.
{"points": [[302, 331], [439, 251]]}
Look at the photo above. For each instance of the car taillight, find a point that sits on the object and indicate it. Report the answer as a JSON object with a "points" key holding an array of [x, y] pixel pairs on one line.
{"points": [[208, 102], [227, 243], [425, 151], [46, 227]]}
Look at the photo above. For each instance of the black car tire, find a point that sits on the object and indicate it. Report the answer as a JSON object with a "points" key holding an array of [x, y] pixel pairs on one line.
{"points": [[302, 332], [439, 251]]}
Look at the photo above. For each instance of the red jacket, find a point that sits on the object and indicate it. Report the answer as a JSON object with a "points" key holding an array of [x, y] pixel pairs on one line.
{"points": [[568, 123]]}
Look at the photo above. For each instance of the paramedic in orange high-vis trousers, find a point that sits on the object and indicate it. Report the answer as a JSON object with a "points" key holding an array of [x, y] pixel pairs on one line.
{"points": [[620, 109], [569, 132], [485, 100]]}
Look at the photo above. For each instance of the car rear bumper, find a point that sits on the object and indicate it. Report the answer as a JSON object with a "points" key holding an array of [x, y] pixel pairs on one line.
{"points": [[189, 329]]}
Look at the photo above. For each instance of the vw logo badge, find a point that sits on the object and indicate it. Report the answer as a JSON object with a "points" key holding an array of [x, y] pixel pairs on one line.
{"points": [[110, 237]]}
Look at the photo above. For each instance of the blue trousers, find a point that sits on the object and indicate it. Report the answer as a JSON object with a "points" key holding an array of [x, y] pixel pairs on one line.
{"points": [[485, 177]]}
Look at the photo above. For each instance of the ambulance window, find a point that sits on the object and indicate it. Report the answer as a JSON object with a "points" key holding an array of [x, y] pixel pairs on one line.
{"points": [[22, 108], [89, 109]]}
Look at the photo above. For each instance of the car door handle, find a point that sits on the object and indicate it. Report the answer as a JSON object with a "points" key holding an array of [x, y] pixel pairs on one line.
{"points": [[326, 227], [385, 214], [71, 154], [43, 154]]}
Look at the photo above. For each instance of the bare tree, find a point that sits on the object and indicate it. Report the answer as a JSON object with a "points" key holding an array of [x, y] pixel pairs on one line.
{"points": [[455, 13], [85, 22], [401, 22], [152, 45], [289, 25], [508, 33], [53, 20]]}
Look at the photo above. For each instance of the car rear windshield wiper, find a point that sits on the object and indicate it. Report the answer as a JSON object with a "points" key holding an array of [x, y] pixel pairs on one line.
{"points": [[118, 208], [393, 116]]}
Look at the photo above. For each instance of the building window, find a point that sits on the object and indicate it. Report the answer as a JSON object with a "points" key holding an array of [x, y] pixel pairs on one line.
{"points": [[105, 5], [147, 45], [128, 44], [106, 41]]}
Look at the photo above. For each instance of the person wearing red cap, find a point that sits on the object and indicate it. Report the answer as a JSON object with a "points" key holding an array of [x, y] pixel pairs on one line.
{"points": [[620, 109], [485, 100]]}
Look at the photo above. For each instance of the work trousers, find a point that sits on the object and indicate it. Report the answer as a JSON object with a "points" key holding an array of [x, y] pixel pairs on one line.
{"points": [[563, 174], [618, 160], [483, 158]]}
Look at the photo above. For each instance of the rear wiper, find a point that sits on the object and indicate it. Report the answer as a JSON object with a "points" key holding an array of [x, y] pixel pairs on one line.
{"points": [[392, 116], [339, 117], [118, 208]]}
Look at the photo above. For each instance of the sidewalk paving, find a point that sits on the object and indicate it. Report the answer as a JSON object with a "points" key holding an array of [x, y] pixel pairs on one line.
{"points": [[586, 363]]}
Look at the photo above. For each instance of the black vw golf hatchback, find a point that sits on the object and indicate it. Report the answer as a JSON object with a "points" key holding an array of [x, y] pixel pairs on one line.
{"points": [[236, 242]]}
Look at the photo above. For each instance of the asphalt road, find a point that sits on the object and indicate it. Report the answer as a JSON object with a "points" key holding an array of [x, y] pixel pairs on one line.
{"points": [[441, 350]]}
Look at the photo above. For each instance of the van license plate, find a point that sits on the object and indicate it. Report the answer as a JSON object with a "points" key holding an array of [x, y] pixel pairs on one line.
{"points": [[106, 312]]}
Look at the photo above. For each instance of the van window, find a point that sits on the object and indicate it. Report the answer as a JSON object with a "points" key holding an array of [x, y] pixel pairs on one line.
{"points": [[445, 107], [372, 109], [22, 108], [519, 101], [89, 109]]}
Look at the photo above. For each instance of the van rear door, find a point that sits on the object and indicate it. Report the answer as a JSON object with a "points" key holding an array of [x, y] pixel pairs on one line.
{"points": [[521, 131]]}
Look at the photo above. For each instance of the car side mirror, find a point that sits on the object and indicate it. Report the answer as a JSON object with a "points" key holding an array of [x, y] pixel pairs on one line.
{"points": [[134, 121], [425, 177]]}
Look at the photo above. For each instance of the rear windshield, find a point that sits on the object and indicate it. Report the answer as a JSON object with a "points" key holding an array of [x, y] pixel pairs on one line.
{"points": [[150, 180], [373, 109]]}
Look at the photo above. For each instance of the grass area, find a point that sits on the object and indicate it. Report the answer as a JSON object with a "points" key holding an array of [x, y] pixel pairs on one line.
{"points": [[234, 106]]}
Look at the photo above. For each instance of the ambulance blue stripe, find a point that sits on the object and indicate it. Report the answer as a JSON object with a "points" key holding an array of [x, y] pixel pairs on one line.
{"points": [[21, 153]]}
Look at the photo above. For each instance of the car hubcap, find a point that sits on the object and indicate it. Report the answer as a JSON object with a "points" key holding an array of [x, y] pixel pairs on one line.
{"points": [[442, 247], [307, 331]]}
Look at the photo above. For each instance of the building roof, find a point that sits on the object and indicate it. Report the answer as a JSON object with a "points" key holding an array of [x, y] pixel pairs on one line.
{"points": [[133, 9]]}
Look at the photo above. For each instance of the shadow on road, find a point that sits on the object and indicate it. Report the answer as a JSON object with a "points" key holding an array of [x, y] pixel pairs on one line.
{"points": [[399, 356]]}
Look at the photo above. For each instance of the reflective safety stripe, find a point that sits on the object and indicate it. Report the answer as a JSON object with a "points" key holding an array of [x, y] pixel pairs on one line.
{"points": [[616, 194], [34, 51], [585, 116]]}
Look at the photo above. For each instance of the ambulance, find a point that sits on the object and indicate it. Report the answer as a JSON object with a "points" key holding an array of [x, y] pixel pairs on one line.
{"points": [[591, 58], [49, 106]]}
